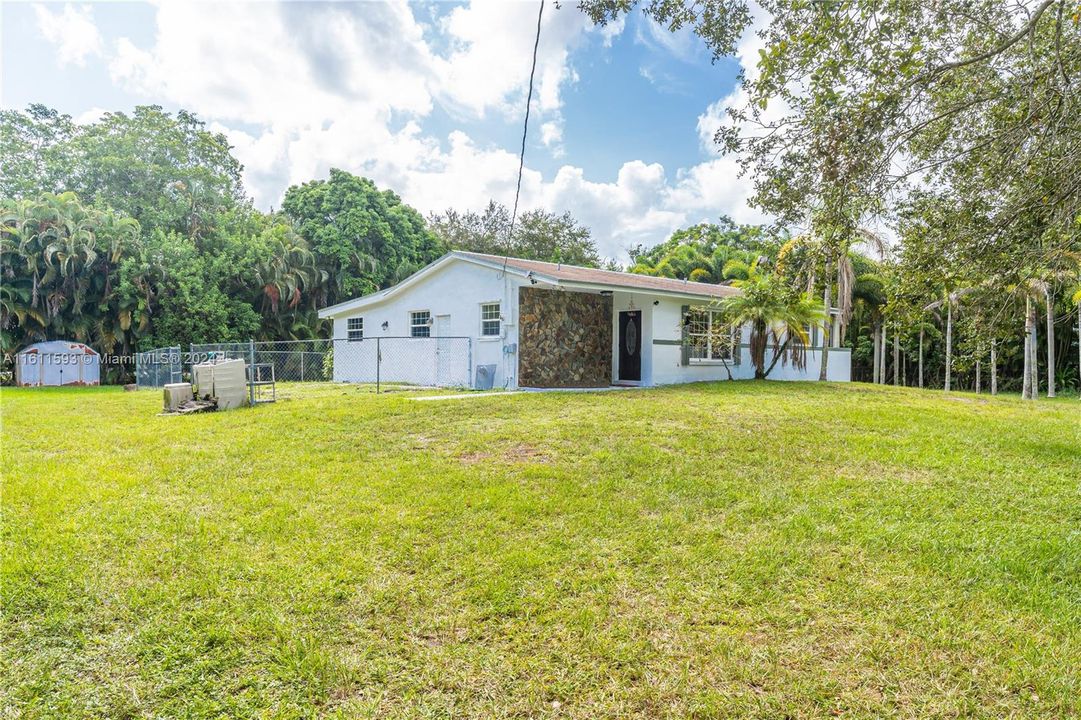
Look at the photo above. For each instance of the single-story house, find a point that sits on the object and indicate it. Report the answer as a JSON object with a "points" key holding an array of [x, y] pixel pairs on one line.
{"points": [[536, 324]]}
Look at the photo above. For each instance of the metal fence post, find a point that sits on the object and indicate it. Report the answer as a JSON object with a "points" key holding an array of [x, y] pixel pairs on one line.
{"points": [[378, 363], [251, 371]]}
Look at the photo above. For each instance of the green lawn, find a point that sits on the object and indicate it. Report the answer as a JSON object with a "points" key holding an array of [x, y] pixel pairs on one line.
{"points": [[732, 550]]}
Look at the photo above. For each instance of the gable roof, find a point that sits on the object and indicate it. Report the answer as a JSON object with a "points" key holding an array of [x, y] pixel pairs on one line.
{"points": [[576, 275], [568, 276], [58, 347]]}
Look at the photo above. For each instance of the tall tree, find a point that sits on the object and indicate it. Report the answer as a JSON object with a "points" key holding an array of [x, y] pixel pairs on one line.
{"points": [[168, 172], [848, 101], [35, 151], [537, 235], [59, 265], [707, 252], [364, 238]]}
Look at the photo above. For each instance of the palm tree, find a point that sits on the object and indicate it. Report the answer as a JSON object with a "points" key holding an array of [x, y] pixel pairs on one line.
{"points": [[1031, 290], [779, 318], [59, 263], [800, 259], [1076, 299], [951, 300]]}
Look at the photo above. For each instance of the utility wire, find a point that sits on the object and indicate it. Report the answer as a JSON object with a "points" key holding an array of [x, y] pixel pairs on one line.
{"points": [[525, 132]]}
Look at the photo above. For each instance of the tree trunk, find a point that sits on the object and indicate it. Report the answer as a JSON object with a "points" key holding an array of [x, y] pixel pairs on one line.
{"points": [[994, 368], [1050, 342], [882, 354], [978, 374], [896, 360], [921, 355], [949, 341], [827, 326], [1079, 346], [758, 351], [1026, 381], [1034, 345], [777, 356], [874, 358]]}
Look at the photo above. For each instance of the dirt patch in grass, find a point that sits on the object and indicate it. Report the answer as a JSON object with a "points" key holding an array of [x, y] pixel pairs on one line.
{"points": [[420, 442], [518, 453], [475, 457], [526, 453]]}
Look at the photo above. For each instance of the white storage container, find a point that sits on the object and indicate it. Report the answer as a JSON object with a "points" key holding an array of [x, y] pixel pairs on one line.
{"points": [[175, 394], [225, 380]]}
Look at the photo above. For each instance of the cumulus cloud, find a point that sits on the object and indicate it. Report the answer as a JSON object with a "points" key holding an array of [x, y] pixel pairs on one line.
{"points": [[492, 43], [552, 136], [613, 30], [91, 116], [275, 65], [72, 31], [298, 89]]}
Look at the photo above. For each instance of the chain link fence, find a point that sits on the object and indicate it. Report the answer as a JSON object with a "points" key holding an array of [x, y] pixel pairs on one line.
{"points": [[383, 362], [159, 367], [425, 362], [291, 360]]}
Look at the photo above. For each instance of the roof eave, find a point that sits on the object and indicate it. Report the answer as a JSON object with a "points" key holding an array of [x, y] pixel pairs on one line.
{"points": [[381, 295], [574, 285], [377, 297]]}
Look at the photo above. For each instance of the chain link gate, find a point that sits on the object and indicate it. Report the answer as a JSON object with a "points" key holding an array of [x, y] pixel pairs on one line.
{"points": [[159, 367]]}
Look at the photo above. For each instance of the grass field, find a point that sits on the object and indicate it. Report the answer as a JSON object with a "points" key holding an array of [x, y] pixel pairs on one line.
{"points": [[731, 550]]}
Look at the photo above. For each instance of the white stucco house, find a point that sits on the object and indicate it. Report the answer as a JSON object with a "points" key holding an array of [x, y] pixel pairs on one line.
{"points": [[538, 324]]}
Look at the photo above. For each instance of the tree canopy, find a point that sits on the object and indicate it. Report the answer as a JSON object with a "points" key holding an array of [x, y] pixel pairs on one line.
{"points": [[365, 238], [707, 252], [134, 232], [957, 123], [537, 235]]}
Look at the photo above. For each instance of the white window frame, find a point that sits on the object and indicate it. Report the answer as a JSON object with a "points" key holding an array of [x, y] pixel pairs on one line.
{"points": [[426, 325], [712, 338], [498, 320], [354, 333]]}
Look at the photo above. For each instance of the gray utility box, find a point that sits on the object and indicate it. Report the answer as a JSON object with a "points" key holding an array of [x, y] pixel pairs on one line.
{"points": [[175, 394], [485, 377]]}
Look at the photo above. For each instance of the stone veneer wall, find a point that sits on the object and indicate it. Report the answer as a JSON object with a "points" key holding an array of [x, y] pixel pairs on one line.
{"points": [[564, 339]]}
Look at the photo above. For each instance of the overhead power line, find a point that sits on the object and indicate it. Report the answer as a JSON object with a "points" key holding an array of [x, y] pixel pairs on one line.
{"points": [[525, 133]]}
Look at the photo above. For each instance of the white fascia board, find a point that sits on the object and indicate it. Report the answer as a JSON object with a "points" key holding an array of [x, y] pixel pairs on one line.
{"points": [[496, 265], [378, 297], [360, 303], [593, 287]]}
